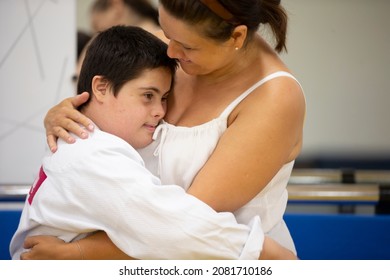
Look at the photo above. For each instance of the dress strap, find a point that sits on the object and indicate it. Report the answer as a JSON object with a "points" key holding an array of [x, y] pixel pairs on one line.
{"points": [[233, 105]]}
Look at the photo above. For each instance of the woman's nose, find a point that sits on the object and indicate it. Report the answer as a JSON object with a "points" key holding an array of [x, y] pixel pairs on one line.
{"points": [[174, 50]]}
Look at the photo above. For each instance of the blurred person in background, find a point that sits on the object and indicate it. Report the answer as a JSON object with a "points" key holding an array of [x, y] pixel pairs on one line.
{"points": [[83, 39], [107, 13]]}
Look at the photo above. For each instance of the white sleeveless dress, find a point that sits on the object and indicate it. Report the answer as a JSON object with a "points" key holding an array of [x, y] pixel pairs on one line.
{"points": [[178, 153]]}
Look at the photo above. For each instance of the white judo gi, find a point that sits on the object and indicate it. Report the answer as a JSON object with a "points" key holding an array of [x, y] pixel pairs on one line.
{"points": [[101, 183]]}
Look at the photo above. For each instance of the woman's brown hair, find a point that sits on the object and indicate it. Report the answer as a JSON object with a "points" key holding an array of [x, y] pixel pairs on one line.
{"points": [[212, 19]]}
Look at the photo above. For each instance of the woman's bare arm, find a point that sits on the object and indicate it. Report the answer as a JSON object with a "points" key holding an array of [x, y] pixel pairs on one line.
{"points": [[96, 246], [264, 134]]}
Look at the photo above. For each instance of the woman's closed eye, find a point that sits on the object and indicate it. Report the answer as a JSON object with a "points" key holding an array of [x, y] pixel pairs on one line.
{"points": [[164, 99]]}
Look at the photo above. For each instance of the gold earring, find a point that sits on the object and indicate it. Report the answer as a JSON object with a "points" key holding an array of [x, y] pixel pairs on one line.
{"points": [[236, 48]]}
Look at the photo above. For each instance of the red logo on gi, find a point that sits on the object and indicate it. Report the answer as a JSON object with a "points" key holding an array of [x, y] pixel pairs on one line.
{"points": [[35, 187]]}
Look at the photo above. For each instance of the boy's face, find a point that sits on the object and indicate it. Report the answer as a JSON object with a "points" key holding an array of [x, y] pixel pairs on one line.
{"points": [[135, 112]]}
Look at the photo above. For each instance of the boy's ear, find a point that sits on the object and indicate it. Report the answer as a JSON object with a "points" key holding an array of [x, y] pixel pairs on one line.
{"points": [[99, 87]]}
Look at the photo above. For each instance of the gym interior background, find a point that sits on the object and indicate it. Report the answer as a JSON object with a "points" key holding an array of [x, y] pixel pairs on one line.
{"points": [[339, 51]]}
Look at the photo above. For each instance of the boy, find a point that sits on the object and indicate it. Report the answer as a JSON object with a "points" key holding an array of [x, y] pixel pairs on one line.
{"points": [[101, 183]]}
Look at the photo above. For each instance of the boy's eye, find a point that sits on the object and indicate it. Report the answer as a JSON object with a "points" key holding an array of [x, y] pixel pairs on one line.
{"points": [[148, 95]]}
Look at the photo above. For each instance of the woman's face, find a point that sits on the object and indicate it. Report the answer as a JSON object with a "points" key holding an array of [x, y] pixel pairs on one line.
{"points": [[197, 54]]}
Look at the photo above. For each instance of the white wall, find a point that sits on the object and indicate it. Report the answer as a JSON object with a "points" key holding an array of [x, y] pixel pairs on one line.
{"points": [[37, 60], [339, 50], [83, 19]]}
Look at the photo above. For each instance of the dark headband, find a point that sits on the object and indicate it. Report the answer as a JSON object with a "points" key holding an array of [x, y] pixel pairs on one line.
{"points": [[218, 9]]}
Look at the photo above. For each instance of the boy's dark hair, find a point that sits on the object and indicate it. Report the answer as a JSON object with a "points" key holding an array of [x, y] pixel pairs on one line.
{"points": [[121, 54]]}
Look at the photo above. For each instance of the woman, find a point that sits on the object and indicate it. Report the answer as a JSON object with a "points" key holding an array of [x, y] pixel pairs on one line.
{"points": [[235, 119]]}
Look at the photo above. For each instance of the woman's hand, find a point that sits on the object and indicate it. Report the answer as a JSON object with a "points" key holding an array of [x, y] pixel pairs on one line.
{"points": [[49, 248], [65, 118], [272, 250]]}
